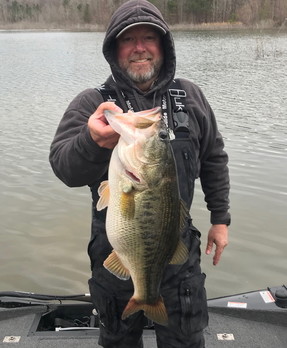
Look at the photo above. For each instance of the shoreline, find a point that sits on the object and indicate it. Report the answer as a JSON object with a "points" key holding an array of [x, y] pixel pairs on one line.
{"points": [[217, 26]]}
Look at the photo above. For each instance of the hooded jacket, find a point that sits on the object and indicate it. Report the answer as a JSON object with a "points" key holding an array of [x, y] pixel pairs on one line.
{"points": [[139, 11], [77, 160]]}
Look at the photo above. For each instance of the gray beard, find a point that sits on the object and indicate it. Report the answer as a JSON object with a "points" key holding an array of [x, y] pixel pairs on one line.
{"points": [[142, 77], [138, 77]]}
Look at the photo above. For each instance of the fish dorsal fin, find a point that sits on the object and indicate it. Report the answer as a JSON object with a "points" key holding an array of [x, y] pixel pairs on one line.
{"points": [[184, 213], [104, 193], [114, 265], [180, 255]]}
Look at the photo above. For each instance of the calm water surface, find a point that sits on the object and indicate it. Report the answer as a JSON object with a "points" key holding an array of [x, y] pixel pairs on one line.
{"points": [[45, 226]]}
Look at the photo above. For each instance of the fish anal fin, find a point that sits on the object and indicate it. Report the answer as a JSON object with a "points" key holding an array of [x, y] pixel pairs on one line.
{"points": [[180, 255], [155, 312], [114, 265], [104, 193]]}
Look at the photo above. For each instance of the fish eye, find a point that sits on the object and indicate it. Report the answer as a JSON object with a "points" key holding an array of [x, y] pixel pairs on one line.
{"points": [[162, 134]]}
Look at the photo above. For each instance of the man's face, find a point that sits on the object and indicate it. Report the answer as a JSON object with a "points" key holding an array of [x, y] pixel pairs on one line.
{"points": [[139, 53]]}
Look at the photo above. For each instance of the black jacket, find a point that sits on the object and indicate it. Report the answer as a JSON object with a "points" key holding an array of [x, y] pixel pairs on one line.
{"points": [[77, 160]]}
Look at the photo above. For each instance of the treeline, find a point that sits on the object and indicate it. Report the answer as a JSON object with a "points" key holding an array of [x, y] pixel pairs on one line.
{"points": [[57, 13], [248, 12], [96, 13]]}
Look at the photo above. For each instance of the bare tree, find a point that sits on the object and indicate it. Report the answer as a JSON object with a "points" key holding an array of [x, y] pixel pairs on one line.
{"points": [[61, 13]]}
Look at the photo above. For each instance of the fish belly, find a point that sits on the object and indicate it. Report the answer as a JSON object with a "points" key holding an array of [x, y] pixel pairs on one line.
{"points": [[144, 239]]}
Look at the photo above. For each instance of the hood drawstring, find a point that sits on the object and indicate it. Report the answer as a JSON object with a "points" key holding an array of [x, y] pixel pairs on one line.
{"points": [[120, 98]]}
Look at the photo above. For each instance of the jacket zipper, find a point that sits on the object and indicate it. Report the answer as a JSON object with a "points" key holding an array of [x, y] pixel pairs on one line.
{"points": [[188, 297], [187, 310]]}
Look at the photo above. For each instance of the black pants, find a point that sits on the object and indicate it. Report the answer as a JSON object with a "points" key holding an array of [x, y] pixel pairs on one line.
{"points": [[182, 289]]}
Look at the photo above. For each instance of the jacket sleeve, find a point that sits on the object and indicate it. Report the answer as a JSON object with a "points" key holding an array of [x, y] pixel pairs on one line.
{"points": [[75, 158], [214, 176], [214, 173], [212, 159]]}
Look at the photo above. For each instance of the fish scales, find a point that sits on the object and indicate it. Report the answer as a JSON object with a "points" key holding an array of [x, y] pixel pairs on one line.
{"points": [[154, 257], [144, 209]]}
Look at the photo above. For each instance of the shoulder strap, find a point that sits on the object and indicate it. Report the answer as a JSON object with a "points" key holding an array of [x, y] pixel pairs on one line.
{"points": [[179, 115], [177, 96], [107, 93], [176, 93]]}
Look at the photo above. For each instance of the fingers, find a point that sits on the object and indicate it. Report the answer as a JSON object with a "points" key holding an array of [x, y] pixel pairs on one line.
{"points": [[101, 132], [217, 255], [218, 235], [218, 251], [209, 247], [106, 106]]}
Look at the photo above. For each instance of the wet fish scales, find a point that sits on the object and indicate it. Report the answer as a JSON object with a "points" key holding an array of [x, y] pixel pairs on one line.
{"points": [[145, 213]]}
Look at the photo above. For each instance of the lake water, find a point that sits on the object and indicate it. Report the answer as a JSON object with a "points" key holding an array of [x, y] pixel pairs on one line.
{"points": [[45, 226]]}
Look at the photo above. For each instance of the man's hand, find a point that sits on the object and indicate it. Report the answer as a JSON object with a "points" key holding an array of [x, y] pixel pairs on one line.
{"points": [[101, 132], [218, 235]]}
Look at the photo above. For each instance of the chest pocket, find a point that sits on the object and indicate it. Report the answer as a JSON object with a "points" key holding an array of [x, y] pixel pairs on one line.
{"points": [[186, 158]]}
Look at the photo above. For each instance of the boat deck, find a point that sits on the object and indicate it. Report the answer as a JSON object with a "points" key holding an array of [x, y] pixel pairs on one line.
{"points": [[248, 320]]}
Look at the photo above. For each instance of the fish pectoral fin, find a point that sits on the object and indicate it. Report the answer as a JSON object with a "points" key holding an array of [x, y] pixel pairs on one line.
{"points": [[180, 255], [127, 205], [104, 193], [143, 122], [155, 312], [114, 265]]}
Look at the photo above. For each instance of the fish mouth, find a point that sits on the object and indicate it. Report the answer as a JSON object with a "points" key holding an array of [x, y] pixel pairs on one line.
{"points": [[133, 177]]}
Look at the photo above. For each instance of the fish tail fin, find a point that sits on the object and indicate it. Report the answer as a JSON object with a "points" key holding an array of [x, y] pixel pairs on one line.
{"points": [[155, 312]]}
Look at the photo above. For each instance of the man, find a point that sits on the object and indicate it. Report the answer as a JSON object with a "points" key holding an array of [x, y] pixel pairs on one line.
{"points": [[140, 51]]}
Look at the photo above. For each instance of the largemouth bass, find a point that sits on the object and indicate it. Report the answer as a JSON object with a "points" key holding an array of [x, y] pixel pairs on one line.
{"points": [[145, 214]]}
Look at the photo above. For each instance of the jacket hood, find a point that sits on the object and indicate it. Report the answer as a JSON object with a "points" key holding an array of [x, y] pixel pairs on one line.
{"points": [[139, 11]]}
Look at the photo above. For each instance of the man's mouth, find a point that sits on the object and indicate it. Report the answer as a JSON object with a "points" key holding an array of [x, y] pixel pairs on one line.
{"points": [[143, 60]]}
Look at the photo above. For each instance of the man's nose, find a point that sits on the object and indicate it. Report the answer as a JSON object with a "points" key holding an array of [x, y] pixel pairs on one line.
{"points": [[140, 45]]}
